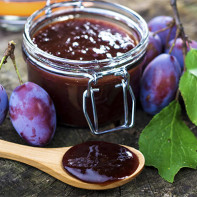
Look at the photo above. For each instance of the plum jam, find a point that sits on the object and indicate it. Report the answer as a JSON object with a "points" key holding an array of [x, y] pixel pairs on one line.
{"points": [[84, 39], [100, 162], [88, 56]]}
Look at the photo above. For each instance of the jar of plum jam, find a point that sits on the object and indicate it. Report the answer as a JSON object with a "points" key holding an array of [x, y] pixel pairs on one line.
{"points": [[88, 56]]}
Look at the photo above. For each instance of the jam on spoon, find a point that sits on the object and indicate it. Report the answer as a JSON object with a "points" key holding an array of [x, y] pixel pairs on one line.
{"points": [[100, 162]]}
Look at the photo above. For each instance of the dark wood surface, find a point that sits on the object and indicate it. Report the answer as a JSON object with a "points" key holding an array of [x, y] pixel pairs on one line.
{"points": [[17, 179]]}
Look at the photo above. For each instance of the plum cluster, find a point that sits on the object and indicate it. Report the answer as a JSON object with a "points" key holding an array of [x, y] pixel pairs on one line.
{"points": [[162, 71], [32, 113]]}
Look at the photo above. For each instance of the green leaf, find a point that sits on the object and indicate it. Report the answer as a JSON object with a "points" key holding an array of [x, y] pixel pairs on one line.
{"points": [[188, 85], [168, 144], [188, 89], [191, 61]]}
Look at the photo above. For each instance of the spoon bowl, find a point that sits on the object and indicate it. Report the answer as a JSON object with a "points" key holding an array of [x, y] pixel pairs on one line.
{"points": [[49, 160]]}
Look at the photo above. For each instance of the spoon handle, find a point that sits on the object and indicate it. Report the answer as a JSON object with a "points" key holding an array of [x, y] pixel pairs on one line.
{"points": [[33, 156]]}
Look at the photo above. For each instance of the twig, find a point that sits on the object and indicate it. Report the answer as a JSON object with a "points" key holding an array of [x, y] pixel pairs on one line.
{"points": [[169, 26], [177, 34], [17, 72], [3, 61], [181, 33], [9, 52], [179, 26]]}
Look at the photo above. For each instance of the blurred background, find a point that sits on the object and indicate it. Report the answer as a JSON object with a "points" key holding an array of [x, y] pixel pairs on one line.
{"points": [[10, 9]]}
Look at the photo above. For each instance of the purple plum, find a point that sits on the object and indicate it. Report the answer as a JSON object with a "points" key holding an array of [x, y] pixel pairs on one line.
{"points": [[159, 83], [178, 50], [3, 104], [160, 22], [154, 47], [33, 114]]}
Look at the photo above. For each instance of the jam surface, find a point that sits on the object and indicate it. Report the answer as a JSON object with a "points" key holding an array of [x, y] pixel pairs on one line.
{"points": [[100, 162], [84, 39]]}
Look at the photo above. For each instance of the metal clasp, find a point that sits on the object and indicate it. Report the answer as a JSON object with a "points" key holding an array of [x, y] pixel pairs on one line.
{"points": [[126, 88]]}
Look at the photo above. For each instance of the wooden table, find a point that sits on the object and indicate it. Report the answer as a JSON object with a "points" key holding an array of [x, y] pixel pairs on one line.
{"points": [[18, 179]]}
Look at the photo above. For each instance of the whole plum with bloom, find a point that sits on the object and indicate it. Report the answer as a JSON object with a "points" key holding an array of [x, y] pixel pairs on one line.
{"points": [[159, 83], [33, 114], [177, 50], [154, 47], [160, 22], [3, 104]]}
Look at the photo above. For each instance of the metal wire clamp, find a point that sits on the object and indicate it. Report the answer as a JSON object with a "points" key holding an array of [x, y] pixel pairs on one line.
{"points": [[128, 120]]}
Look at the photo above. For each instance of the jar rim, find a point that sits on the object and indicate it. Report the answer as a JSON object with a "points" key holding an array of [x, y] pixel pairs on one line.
{"points": [[136, 53]]}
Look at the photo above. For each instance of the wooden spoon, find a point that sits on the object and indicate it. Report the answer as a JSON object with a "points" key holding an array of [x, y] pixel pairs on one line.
{"points": [[49, 160]]}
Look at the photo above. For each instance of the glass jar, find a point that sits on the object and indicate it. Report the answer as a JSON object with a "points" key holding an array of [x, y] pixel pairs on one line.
{"points": [[94, 92], [13, 13]]}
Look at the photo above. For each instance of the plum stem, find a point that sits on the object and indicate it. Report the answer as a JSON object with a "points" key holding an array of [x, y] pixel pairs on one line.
{"points": [[169, 26], [17, 71], [173, 44], [3, 60], [181, 32], [9, 52], [179, 26]]}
